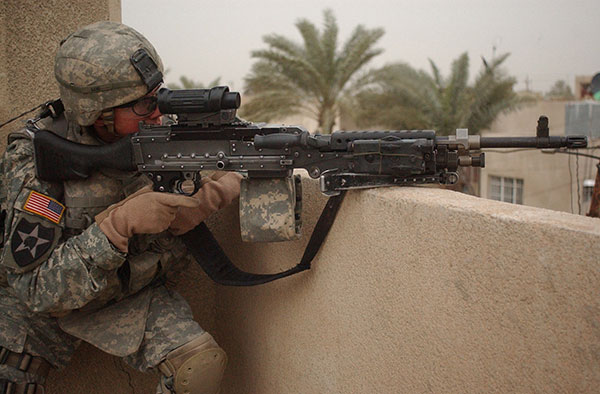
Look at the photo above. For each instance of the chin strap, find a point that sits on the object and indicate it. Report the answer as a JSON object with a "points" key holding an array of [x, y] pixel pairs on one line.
{"points": [[108, 117]]}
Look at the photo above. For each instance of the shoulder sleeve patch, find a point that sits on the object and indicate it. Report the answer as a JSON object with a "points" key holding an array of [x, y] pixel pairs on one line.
{"points": [[30, 241], [34, 232], [44, 206]]}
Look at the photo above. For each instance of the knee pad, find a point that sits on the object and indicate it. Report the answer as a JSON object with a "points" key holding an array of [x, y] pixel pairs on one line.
{"points": [[196, 367]]}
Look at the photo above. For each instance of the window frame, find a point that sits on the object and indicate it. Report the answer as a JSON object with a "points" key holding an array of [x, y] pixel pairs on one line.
{"points": [[514, 187]]}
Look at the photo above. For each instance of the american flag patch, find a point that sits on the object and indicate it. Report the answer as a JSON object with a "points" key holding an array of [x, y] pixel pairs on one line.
{"points": [[44, 206]]}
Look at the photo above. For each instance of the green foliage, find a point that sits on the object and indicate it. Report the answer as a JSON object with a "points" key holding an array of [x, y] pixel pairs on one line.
{"points": [[309, 78], [560, 91], [188, 83], [399, 97]]}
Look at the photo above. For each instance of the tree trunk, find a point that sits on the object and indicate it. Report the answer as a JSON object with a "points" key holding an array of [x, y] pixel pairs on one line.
{"points": [[327, 119]]}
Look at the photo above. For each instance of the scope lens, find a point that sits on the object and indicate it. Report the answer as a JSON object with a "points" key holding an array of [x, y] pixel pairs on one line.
{"points": [[231, 100]]}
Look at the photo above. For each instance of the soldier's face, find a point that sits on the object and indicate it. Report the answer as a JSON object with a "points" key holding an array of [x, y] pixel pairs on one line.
{"points": [[128, 118]]}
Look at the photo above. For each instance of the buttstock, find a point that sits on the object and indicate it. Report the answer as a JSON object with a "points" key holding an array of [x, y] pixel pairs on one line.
{"points": [[58, 159]]}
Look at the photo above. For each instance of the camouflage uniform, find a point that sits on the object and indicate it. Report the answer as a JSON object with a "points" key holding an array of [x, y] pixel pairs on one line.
{"points": [[83, 272], [61, 279]]}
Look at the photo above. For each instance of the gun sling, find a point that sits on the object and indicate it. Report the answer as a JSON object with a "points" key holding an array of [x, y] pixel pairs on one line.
{"points": [[213, 260]]}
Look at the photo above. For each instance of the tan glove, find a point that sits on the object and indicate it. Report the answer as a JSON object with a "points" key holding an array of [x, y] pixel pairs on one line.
{"points": [[146, 212], [104, 214], [216, 193]]}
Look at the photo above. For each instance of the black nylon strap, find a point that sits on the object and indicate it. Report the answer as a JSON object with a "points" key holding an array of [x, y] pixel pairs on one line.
{"points": [[213, 260]]}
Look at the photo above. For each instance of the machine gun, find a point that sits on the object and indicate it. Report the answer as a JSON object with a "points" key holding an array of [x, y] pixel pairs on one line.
{"points": [[207, 135]]}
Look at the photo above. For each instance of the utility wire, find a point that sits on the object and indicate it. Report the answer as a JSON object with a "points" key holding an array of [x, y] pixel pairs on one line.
{"points": [[577, 178], [571, 183]]}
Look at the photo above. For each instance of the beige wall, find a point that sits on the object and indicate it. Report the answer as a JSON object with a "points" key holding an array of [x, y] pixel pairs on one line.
{"points": [[419, 290], [30, 32], [415, 290], [550, 180]]}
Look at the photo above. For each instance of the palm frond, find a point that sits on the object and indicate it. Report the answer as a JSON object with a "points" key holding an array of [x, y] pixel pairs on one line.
{"points": [[329, 45], [298, 70], [437, 77], [283, 44], [357, 52], [312, 73]]}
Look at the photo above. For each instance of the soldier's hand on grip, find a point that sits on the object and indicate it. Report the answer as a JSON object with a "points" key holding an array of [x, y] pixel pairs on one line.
{"points": [[216, 193], [146, 213]]}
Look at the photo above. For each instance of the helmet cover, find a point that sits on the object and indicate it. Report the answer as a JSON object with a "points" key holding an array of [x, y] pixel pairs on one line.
{"points": [[104, 65]]}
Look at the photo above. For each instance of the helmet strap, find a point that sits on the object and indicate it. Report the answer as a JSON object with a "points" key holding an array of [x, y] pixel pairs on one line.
{"points": [[108, 116]]}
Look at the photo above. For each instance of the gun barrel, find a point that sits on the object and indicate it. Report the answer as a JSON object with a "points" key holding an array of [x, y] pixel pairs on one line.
{"points": [[572, 141]]}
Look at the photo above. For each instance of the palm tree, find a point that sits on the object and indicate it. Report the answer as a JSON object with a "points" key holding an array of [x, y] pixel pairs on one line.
{"points": [[310, 77], [560, 91], [400, 97]]}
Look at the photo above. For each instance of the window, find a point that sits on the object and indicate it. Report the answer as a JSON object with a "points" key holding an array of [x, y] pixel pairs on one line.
{"points": [[506, 189], [588, 190]]}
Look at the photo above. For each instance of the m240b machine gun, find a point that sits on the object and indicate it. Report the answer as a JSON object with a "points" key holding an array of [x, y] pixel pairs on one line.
{"points": [[207, 135]]}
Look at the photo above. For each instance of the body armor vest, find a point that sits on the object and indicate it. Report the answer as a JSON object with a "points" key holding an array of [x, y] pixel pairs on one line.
{"points": [[84, 199]]}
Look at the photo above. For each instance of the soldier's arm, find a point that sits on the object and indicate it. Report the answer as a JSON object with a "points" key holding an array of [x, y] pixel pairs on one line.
{"points": [[47, 272]]}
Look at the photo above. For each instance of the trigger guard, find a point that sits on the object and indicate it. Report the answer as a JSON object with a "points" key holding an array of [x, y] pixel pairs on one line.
{"points": [[194, 178], [173, 181]]}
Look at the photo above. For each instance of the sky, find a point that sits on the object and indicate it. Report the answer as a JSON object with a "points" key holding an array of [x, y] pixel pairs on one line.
{"points": [[548, 40]]}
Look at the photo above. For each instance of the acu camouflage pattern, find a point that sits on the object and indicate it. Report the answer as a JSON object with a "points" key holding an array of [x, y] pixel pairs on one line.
{"points": [[98, 56], [270, 209], [16, 376], [84, 273], [17, 180]]}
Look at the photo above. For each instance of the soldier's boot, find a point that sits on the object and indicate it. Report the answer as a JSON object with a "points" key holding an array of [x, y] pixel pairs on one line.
{"points": [[22, 373], [196, 367]]}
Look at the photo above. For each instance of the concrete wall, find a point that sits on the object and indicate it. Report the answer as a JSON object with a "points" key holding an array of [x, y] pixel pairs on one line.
{"points": [[552, 181]]}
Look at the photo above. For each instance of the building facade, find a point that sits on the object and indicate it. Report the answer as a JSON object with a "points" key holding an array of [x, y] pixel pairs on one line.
{"points": [[537, 178]]}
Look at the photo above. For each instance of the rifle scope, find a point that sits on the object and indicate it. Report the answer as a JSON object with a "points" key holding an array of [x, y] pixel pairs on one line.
{"points": [[197, 100]]}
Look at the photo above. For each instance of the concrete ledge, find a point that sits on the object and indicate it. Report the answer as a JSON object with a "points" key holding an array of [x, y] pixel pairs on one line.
{"points": [[419, 290]]}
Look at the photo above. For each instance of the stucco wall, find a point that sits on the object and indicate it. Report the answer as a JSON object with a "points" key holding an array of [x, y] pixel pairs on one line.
{"points": [[419, 290], [415, 290], [30, 32]]}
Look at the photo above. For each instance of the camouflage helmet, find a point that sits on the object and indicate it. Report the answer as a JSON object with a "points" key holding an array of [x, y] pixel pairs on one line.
{"points": [[104, 65]]}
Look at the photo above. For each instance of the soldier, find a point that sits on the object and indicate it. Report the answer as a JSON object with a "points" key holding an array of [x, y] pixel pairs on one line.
{"points": [[88, 260]]}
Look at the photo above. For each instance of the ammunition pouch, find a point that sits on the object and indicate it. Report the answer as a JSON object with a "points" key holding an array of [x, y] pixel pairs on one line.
{"points": [[270, 209], [22, 373]]}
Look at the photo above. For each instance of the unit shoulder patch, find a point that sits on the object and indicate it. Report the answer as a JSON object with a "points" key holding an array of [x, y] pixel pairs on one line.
{"points": [[30, 241]]}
